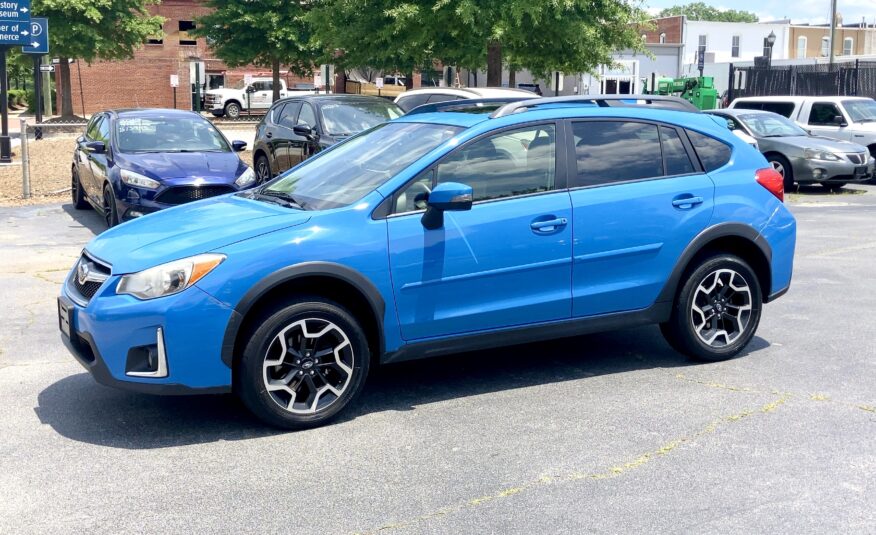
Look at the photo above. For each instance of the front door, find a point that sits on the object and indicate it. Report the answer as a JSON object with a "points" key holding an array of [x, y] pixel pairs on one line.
{"points": [[282, 139], [505, 262], [99, 162], [638, 199], [826, 119], [263, 95], [300, 147]]}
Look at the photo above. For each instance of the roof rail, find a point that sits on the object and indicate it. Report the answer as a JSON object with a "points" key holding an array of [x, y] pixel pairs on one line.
{"points": [[604, 101], [466, 104]]}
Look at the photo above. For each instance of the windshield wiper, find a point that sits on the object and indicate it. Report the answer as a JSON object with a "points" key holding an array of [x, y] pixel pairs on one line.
{"points": [[278, 197]]}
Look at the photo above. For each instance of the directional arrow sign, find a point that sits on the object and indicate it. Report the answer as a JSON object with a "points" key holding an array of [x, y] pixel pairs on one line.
{"points": [[39, 37], [47, 68], [15, 22]]}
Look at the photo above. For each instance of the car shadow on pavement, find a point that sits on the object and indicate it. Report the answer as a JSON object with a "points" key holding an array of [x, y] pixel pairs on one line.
{"points": [[79, 409], [87, 217]]}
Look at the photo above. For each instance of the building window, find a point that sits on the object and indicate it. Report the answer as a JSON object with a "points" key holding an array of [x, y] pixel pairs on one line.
{"points": [[734, 46], [825, 46], [801, 47], [185, 26], [703, 43], [848, 46], [158, 38], [663, 38]]}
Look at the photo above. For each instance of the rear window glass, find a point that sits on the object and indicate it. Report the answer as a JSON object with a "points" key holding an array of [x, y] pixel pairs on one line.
{"points": [[782, 108], [712, 153]]}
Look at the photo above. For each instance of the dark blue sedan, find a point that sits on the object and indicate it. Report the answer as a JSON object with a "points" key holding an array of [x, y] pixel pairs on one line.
{"points": [[133, 162]]}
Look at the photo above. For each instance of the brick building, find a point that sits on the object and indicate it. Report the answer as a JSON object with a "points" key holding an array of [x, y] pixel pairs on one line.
{"points": [[144, 80]]}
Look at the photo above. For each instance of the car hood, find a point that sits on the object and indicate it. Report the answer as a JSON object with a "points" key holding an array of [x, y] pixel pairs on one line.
{"points": [[188, 230], [816, 142], [225, 166]]}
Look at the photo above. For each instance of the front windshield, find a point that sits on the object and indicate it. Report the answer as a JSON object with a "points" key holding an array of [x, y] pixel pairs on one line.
{"points": [[343, 118], [168, 134], [861, 111], [359, 165], [770, 125]]}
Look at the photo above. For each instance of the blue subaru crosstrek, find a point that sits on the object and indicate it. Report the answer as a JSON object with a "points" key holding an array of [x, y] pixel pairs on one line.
{"points": [[439, 232]]}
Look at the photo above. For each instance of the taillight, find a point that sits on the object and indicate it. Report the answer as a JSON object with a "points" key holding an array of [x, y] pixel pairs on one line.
{"points": [[772, 181]]}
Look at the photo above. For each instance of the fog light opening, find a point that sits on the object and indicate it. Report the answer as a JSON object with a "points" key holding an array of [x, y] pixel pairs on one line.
{"points": [[149, 360]]}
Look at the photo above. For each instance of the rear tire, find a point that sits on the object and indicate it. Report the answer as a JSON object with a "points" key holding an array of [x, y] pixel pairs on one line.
{"points": [[717, 311], [303, 365], [783, 167], [76, 192], [232, 110]]}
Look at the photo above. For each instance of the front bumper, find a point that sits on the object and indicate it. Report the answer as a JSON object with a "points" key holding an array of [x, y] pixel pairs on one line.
{"points": [[828, 171], [105, 330]]}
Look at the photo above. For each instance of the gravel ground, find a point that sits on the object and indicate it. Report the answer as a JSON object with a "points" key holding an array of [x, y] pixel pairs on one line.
{"points": [[50, 161]]}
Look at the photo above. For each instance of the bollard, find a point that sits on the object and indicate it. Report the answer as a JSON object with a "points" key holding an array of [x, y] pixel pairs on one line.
{"points": [[25, 162]]}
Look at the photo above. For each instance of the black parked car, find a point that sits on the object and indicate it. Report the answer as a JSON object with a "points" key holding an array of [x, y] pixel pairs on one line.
{"points": [[298, 127]]}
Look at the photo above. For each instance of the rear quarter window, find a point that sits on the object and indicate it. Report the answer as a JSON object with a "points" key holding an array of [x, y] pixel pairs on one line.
{"points": [[712, 153], [782, 108]]}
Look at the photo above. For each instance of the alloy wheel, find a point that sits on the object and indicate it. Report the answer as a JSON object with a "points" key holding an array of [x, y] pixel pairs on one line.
{"points": [[721, 309], [778, 167], [308, 366], [263, 171], [108, 203]]}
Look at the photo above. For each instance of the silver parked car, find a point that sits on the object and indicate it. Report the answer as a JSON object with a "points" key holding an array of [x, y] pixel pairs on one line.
{"points": [[799, 156]]}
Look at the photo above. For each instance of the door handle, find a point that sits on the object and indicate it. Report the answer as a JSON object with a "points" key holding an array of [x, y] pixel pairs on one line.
{"points": [[686, 202], [548, 226]]}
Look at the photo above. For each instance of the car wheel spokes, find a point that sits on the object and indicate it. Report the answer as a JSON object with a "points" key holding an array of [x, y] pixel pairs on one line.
{"points": [[778, 167], [308, 366], [721, 308]]}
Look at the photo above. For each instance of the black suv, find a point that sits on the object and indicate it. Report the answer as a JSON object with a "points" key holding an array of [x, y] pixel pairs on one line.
{"points": [[298, 127]]}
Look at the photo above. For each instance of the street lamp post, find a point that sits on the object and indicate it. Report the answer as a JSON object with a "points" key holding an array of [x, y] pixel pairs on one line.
{"points": [[771, 40]]}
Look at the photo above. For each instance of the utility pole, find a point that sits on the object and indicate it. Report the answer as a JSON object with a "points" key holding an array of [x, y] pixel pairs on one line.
{"points": [[832, 30]]}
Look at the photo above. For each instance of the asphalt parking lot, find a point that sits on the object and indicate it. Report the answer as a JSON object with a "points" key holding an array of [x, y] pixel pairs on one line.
{"points": [[609, 433]]}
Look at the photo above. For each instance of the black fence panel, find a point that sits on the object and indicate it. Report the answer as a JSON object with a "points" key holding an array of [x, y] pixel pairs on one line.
{"points": [[849, 78]]}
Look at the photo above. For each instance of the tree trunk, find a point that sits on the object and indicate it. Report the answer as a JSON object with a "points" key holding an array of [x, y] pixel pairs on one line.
{"points": [[494, 64], [275, 73], [512, 77], [409, 80], [66, 88]]}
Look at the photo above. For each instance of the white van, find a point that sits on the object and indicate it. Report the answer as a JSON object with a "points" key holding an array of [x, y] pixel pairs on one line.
{"points": [[846, 118]]}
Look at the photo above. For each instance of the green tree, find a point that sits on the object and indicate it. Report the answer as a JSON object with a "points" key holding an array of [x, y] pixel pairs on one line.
{"points": [[94, 30], [540, 35], [265, 32], [701, 11]]}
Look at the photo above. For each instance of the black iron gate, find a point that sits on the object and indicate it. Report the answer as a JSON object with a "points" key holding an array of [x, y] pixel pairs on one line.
{"points": [[849, 78]]}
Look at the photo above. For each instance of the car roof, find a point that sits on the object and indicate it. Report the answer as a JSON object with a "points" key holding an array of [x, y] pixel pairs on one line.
{"points": [[797, 99], [317, 98], [151, 112], [470, 92]]}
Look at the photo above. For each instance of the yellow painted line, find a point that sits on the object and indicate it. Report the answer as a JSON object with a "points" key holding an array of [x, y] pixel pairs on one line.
{"points": [[609, 473]]}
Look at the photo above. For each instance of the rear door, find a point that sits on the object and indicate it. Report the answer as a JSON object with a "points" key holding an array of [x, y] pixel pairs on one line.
{"points": [[639, 196], [505, 262], [827, 119]]}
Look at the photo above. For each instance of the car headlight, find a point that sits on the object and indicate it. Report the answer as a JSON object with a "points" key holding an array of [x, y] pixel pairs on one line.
{"points": [[136, 179], [817, 154], [170, 278], [246, 178]]}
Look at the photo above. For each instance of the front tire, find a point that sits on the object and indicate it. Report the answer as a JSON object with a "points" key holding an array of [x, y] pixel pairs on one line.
{"points": [[303, 365], [232, 110], [717, 311], [782, 166], [77, 194], [110, 209], [262, 169]]}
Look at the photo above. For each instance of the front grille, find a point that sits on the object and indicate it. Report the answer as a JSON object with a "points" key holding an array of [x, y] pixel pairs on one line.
{"points": [[857, 158], [184, 194], [86, 278]]}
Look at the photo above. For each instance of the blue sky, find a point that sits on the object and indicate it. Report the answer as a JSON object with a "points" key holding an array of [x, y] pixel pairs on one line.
{"points": [[811, 11]]}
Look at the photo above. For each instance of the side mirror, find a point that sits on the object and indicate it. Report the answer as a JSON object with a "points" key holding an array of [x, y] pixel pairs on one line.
{"points": [[238, 146], [303, 130], [838, 119], [97, 147], [449, 196], [250, 89]]}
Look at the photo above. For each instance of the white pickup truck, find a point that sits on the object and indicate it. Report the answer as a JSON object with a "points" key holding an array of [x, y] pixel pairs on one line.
{"points": [[257, 97], [845, 118]]}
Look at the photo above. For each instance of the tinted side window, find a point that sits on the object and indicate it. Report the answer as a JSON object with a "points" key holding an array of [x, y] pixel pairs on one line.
{"points": [[616, 151], [411, 102], [823, 113], [289, 115], [103, 130], [712, 153], [782, 108], [263, 86], [441, 98], [504, 165], [91, 131], [306, 116], [674, 154], [748, 105]]}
